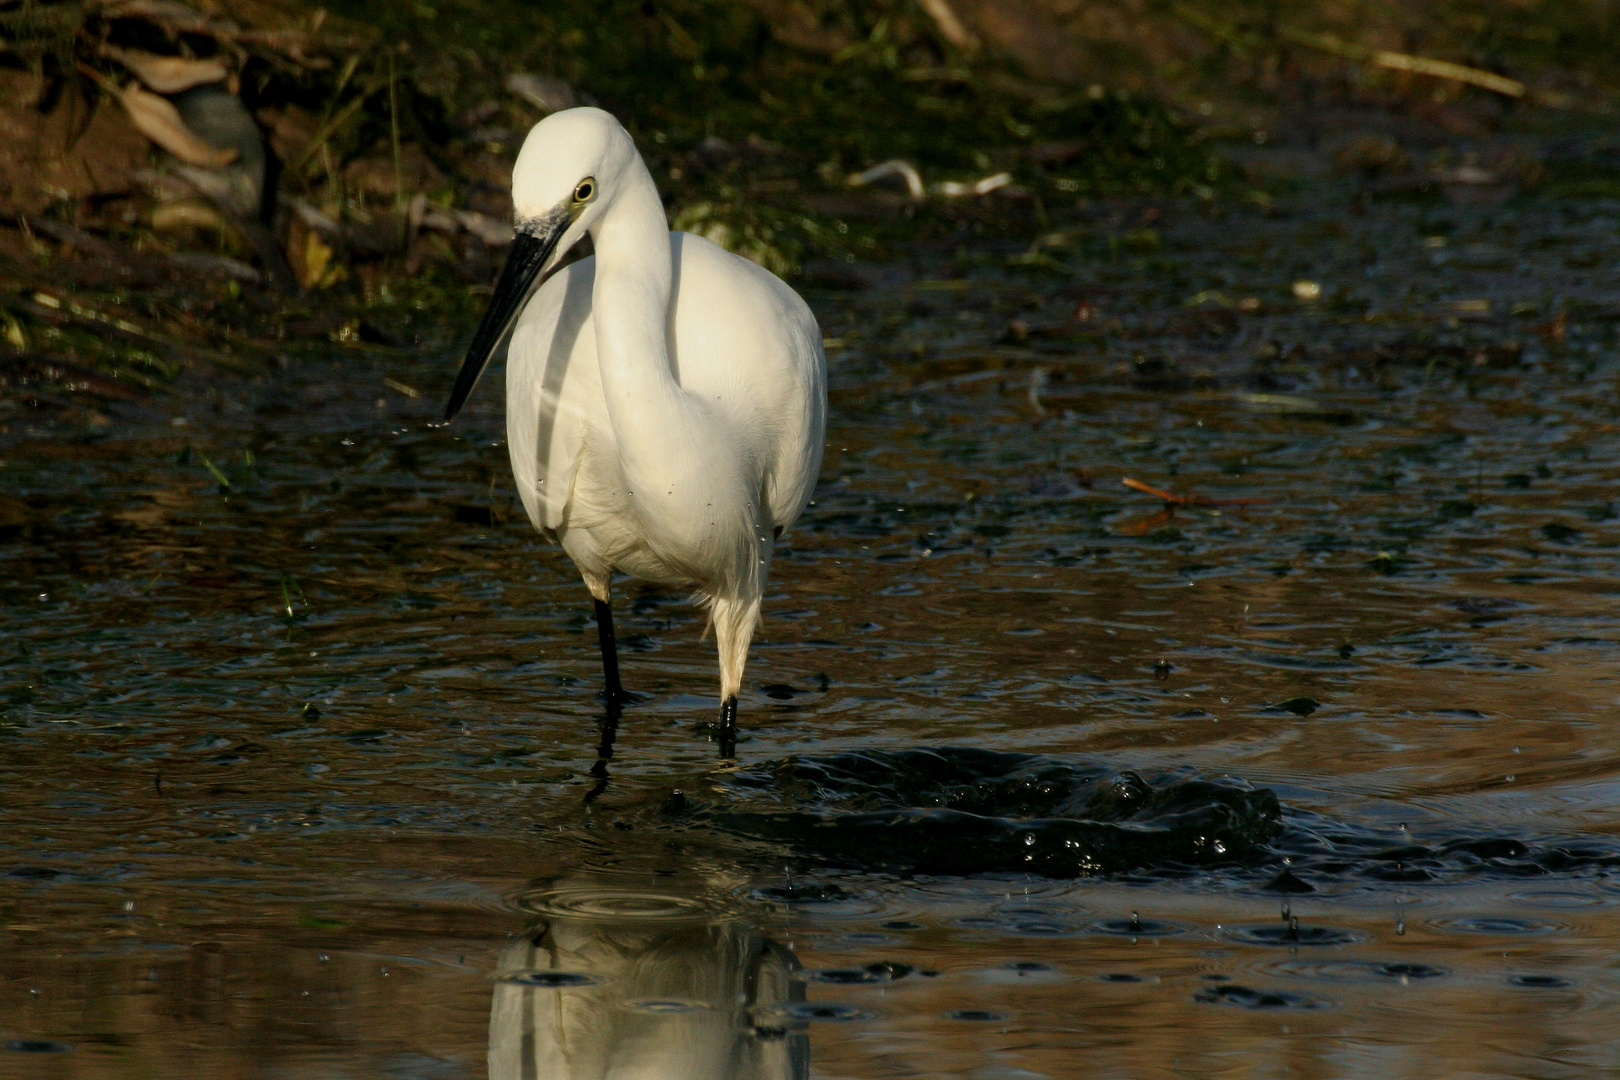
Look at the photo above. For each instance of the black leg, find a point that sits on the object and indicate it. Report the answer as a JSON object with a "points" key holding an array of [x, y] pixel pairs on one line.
{"points": [[728, 727], [613, 691]]}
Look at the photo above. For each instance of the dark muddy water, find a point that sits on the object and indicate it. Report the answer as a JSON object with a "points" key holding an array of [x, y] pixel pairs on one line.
{"points": [[1314, 776]]}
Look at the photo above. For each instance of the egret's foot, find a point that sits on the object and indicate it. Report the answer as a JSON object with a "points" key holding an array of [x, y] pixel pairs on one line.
{"points": [[728, 727], [723, 730]]}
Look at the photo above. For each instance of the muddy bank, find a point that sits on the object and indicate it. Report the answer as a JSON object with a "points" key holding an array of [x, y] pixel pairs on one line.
{"points": [[190, 195]]}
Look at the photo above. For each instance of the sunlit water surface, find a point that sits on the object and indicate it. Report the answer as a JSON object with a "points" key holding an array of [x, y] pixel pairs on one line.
{"points": [[296, 771]]}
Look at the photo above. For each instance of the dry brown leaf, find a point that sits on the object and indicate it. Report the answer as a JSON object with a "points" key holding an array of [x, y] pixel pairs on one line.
{"points": [[185, 214], [171, 15], [291, 129], [168, 74], [309, 255], [158, 119]]}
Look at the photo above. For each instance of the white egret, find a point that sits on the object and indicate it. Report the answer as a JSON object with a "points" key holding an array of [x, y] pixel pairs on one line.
{"points": [[665, 399]]}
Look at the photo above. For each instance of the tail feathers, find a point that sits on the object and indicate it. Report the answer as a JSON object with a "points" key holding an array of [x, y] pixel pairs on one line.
{"points": [[734, 622]]}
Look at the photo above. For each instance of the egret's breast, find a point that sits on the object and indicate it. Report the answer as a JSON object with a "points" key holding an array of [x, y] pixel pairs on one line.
{"points": [[553, 393]]}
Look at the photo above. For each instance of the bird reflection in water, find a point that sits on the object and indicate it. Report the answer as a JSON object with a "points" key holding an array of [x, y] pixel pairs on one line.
{"points": [[607, 730], [647, 978]]}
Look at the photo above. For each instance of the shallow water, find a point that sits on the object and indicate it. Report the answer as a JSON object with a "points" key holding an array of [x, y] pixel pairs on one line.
{"points": [[296, 770]]}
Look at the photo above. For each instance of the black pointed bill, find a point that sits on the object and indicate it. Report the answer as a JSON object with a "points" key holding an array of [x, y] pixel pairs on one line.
{"points": [[531, 248]]}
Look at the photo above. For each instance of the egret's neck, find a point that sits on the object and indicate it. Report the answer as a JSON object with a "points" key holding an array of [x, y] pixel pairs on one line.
{"points": [[630, 304]]}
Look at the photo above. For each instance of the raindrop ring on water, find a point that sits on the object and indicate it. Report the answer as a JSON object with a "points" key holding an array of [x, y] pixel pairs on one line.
{"points": [[1290, 934], [617, 904], [665, 1005], [975, 1015], [802, 1012], [1135, 927], [1496, 924], [1540, 982]]}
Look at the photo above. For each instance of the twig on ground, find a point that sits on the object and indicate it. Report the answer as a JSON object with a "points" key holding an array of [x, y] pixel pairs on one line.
{"points": [[1171, 499]]}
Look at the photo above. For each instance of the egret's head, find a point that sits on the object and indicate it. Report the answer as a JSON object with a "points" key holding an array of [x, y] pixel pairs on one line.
{"points": [[569, 169]]}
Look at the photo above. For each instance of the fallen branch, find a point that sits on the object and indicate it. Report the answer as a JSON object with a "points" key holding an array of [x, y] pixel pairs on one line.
{"points": [[1417, 65], [1171, 499], [1385, 58]]}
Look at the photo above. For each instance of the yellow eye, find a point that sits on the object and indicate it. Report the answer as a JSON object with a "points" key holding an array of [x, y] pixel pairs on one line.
{"points": [[585, 191]]}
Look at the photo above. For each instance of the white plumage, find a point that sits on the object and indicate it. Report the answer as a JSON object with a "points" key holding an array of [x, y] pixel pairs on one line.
{"points": [[666, 399]]}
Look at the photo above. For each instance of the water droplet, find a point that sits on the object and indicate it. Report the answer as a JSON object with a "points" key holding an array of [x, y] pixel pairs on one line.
{"points": [[1515, 749], [324, 958], [1510, 778], [1220, 848], [1029, 839], [129, 905], [1400, 927]]}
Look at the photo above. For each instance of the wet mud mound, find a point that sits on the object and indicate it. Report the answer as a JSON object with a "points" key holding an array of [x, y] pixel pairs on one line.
{"points": [[962, 811], [967, 811]]}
